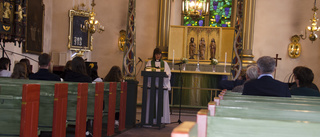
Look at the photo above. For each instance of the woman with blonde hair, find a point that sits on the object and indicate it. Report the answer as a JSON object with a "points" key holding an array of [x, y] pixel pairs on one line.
{"points": [[19, 71]]}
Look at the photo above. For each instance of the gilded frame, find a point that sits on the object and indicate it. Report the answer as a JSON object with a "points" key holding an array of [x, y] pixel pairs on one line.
{"points": [[78, 40]]}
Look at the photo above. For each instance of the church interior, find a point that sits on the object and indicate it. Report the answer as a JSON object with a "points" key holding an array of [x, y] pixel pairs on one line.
{"points": [[269, 27]]}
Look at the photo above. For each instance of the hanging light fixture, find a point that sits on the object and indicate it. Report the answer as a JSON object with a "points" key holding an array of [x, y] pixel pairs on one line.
{"points": [[195, 8], [314, 27], [91, 24]]}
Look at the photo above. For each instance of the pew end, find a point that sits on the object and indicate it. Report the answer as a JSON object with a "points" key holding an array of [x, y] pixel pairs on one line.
{"points": [[185, 129]]}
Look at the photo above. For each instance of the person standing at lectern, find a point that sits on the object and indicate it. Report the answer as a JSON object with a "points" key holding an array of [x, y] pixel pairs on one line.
{"points": [[159, 63]]}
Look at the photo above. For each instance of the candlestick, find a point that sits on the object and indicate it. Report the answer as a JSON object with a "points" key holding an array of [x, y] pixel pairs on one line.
{"points": [[225, 62], [172, 60]]}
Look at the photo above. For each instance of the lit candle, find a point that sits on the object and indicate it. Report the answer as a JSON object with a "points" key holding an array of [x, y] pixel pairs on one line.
{"points": [[182, 6], [187, 6], [172, 59], [225, 61]]}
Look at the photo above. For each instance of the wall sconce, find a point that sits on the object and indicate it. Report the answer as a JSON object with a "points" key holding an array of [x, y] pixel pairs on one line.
{"points": [[122, 40], [195, 8], [313, 28], [294, 48], [91, 24]]}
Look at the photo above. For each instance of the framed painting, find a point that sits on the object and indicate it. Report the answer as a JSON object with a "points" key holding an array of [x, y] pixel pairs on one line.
{"points": [[79, 39], [34, 32]]}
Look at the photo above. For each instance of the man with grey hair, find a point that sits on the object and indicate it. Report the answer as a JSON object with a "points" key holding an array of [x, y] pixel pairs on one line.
{"points": [[265, 85], [251, 73]]}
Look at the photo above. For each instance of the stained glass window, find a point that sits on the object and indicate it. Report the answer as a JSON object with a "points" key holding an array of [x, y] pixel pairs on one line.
{"points": [[219, 14]]}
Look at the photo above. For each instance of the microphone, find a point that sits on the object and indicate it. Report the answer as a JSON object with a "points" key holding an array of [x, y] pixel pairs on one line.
{"points": [[178, 63]]}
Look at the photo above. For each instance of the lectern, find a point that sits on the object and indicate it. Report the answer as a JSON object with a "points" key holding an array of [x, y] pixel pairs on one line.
{"points": [[152, 105]]}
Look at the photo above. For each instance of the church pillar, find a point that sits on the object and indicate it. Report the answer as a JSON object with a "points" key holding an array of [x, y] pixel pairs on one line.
{"points": [[248, 25], [164, 25], [129, 66]]}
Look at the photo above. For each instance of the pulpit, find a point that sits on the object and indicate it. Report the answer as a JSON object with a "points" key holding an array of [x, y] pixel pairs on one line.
{"points": [[152, 88]]}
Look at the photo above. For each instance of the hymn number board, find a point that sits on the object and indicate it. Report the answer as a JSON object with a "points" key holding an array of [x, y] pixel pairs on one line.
{"points": [[79, 39]]}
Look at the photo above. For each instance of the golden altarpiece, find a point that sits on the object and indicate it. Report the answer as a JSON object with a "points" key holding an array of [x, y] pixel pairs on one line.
{"points": [[199, 87]]}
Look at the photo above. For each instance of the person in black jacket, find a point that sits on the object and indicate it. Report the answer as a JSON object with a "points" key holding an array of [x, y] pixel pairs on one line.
{"points": [[43, 72], [303, 77], [78, 71], [266, 85]]}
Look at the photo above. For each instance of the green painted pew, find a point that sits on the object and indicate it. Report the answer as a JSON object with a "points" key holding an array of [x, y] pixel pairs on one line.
{"points": [[240, 115], [238, 127], [8, 92]]}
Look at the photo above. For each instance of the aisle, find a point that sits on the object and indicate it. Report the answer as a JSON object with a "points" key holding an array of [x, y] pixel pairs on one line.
{"points": [[186, 115]]}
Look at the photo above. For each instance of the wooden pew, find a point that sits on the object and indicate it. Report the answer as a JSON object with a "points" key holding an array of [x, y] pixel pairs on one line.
{"points": [[185, 129], [21, 111], [230, 127], [262, 116], [95, 110]]}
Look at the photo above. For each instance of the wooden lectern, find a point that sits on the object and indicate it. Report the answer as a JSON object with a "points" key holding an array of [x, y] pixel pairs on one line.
{"points": [[153, 88]]}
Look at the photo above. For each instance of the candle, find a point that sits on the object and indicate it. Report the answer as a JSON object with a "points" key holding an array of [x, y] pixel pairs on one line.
{"points": [[182, 6], [187, 6], [225, 61], [172, 59]]}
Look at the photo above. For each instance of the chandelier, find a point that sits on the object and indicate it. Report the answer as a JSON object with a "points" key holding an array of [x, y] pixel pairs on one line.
{"points": [[314, 27], [91, 25], [195, 8]]}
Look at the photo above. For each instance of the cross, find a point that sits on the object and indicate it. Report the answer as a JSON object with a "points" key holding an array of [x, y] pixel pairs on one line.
{"points": [[277, 59], [275, 71]]}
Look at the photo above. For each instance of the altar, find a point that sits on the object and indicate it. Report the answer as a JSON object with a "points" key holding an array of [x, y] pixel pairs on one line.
{"points": [[198, 87], [198, 47]]}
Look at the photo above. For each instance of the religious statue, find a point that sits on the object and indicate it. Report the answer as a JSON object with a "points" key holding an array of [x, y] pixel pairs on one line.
{"points": [[202, 49], [192, 48], [212, 49], [7, 11]]}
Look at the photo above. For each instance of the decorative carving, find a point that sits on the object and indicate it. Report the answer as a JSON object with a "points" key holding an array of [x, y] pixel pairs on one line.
{"points": [[192, 48], [212, 49], [294, 48], [122, 40], [202, 49]]}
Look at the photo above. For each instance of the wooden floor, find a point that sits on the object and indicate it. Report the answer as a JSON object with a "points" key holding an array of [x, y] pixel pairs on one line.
{"points": [[186, 115]]}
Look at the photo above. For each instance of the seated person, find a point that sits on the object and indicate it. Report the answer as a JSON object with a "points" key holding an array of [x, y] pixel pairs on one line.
{"points": [[303, 77], [265, 85], [19, 71], [78, 71], [4, 66], [27, 62], [43, 72], [114, 75], [251, 73], [92, 70], [230, 84], [66, 69]]}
